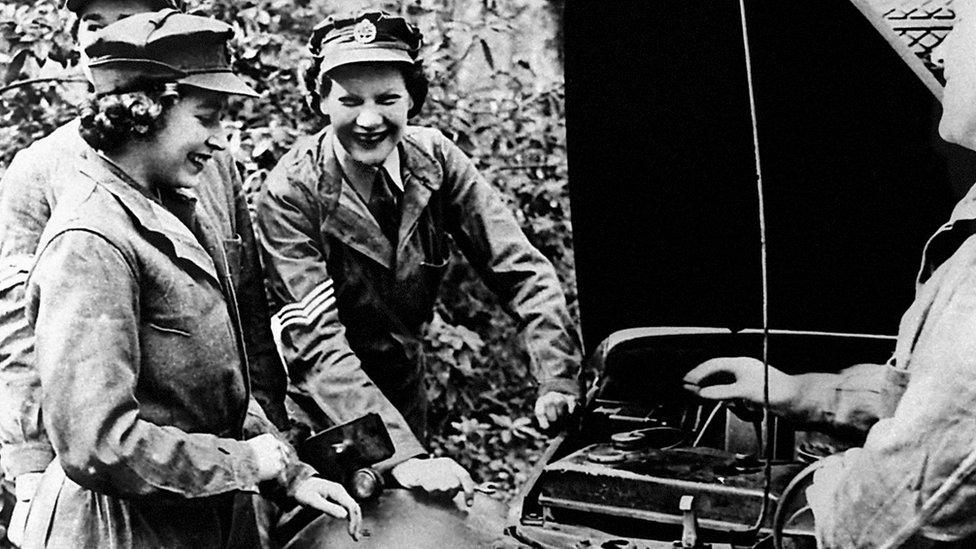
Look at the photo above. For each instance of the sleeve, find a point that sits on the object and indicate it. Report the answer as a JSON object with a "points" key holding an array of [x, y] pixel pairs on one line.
{"points": [[848, 403], [522, 278], [268, 377], [311, 338], [83, 301], [256, 423], [24, 211], [914, 476]]}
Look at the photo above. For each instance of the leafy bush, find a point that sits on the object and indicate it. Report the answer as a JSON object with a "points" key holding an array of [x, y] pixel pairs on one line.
{"points": [[497, 108]]}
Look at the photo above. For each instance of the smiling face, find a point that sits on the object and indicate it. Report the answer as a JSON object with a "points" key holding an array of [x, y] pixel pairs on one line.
{"points": [[190, 135], [368, 105], [97, 14], [958, 123]]}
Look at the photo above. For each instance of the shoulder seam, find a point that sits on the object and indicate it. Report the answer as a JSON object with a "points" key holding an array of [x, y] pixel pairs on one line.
{"points": [[91, 231]]}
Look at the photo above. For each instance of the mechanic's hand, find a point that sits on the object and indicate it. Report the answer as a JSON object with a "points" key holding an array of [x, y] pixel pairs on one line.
{"points": [[26, 486], [741, 378], [332, 499], [436, 475], [270, 455], [552, 407]]}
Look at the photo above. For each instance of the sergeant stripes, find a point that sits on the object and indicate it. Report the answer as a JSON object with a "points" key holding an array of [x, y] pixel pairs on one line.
{"points": [[12, 275], [306, 311]]}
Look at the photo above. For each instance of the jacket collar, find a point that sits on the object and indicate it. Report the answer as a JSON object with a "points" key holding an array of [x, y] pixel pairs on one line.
{"points": [[361, 177], [149, 214], [351, 222]]}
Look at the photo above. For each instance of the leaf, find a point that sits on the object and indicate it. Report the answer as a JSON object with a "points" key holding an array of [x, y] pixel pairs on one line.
{"points": [[487, 51], [13, 70], [41, 50]]}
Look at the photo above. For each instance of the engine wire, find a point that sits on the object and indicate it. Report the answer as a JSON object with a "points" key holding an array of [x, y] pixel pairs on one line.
{"points": [[766, 448]]}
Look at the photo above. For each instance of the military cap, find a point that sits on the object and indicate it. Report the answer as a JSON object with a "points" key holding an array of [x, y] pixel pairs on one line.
{"points": [[369, 36], [164, 46], [76, 5]]}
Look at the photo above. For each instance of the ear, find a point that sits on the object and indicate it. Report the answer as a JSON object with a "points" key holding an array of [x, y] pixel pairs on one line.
{"points": [[324, 105]]}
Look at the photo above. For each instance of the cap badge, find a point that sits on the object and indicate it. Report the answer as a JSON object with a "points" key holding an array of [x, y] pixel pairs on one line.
{"points": [[364, 32]]}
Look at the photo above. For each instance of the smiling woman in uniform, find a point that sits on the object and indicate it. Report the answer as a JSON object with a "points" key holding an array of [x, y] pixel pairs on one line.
{"points": [[145, 391], [357, 224]]}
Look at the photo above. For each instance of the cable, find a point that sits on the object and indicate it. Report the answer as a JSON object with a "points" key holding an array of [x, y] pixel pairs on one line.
{"points": [[766, 446]]}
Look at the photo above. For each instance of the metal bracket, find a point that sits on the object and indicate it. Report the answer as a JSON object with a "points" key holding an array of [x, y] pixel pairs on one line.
{"points": [[689, 525]]}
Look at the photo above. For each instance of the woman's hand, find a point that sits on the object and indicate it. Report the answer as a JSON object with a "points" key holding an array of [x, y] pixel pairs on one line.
{"points": [[741, 378], [436, 475], [270, 455], [332, 499], [553, 407]]}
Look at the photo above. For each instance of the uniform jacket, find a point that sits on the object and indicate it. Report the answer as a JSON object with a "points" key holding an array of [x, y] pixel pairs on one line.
{"points": [[33, 185], [144, 390], [914, 476], [351, 308]]}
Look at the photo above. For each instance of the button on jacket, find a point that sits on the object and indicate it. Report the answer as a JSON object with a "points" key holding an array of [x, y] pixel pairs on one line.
{"points": [[351, 307], [145, 393], [35, 182]]}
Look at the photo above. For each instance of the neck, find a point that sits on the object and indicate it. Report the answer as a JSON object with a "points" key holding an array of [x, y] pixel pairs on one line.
{"points": [[133, 161]]}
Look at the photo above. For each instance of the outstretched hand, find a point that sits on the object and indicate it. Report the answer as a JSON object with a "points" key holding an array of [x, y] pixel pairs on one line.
{"points": [[740, 378], [332, 499], [436, 475]]}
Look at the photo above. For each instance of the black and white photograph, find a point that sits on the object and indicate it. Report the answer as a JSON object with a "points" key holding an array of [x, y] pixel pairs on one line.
{"points": [[548, 274]]}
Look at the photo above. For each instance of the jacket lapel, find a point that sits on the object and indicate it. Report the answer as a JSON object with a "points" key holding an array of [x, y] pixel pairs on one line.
{"points": [[422, 175], [207, 236], [152, 217]]}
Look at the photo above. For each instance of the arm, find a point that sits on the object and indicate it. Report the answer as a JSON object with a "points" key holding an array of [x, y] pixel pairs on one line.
{"points": [[846, 403], [83, 301], [523, 279], [312, 340], [24, 211]]}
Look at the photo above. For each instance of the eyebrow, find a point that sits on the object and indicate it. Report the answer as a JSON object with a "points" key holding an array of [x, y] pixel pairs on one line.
{"points": [[92, 17]]}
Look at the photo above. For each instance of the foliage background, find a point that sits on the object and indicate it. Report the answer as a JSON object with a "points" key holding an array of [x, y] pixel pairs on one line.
{"points": [[497, 91]]}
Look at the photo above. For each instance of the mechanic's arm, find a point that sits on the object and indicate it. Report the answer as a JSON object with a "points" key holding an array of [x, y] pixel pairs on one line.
{"points": [[517, 272], [846, 403]]}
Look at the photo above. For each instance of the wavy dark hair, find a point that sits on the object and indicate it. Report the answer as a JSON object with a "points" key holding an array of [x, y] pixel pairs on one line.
{"points": [[111, 121], [318, 84]]}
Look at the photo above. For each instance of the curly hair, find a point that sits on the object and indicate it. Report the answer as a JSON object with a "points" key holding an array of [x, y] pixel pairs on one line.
{"points": [[318, 84], [111, 121]]}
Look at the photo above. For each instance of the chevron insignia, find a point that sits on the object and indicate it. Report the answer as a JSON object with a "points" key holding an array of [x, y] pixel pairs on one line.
{"points": [[306, 311]]}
